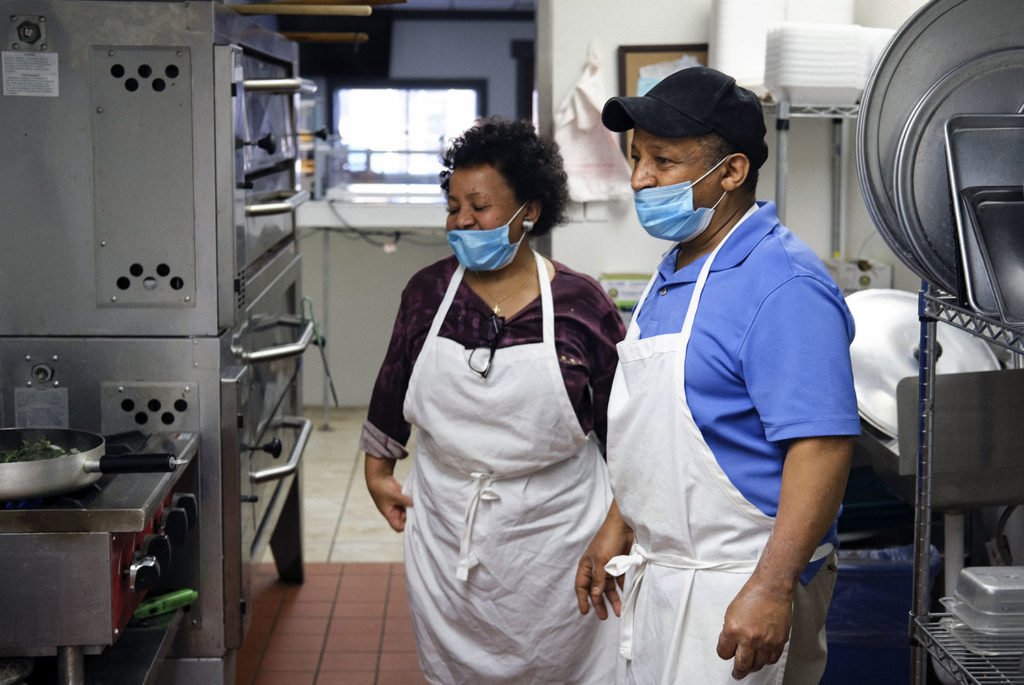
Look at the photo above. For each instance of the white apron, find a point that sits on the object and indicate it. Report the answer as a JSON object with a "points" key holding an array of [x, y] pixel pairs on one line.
{"points": [[697, 539], [507, 492]]}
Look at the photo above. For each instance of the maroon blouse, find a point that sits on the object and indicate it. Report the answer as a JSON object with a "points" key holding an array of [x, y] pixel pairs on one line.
{"points": [[587, 328]]}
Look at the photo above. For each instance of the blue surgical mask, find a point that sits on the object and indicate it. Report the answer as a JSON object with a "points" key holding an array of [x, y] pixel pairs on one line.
{"points": [[485, 250], [667, 212]]}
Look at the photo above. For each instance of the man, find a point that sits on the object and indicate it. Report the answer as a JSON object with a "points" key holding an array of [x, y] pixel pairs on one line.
{"points": [[732, 416]]}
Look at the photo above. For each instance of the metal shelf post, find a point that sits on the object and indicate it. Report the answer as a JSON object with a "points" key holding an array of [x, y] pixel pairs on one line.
{"points": [[969, 657]]}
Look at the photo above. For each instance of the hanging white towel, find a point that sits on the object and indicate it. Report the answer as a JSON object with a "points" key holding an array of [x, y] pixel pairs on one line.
{"points": [[594, 161]]}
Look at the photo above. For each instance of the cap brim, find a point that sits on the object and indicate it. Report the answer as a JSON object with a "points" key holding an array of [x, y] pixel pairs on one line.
{"points": [[652, 115]]}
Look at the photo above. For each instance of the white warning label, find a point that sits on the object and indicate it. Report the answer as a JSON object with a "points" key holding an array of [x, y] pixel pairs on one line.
{"points": [[30, 73]]}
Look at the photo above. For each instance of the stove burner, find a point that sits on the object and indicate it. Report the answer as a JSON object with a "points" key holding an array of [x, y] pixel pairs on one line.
{"points": [[36, 503]]}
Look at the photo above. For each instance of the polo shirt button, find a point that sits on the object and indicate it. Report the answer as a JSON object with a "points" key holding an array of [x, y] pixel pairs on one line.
{"points": [[663, 291]]}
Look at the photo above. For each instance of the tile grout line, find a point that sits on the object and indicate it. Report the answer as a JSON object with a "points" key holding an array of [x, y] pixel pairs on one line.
{"points": [[263, 652], [327, 630], [344, 503], [384, 622]]}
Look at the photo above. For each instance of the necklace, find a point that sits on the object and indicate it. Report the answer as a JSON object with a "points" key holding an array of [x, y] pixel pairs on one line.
{"points": [[506, 296]]}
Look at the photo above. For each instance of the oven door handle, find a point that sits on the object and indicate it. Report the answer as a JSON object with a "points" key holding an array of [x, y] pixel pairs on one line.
{"points": [[289, 204], [282, 86], [305, 427], [293, 349]]}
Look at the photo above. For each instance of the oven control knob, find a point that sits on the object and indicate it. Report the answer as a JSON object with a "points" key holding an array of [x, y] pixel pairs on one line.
{"points": [[267, 143], [188, 502], [158, 547], [273, 448], [174, 524], [143, 573]]}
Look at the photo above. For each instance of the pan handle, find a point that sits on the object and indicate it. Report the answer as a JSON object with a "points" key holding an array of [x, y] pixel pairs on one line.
{"points": [[288, 468], [157, 462]]}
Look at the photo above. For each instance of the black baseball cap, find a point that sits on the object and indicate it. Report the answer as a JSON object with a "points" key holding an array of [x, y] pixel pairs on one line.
{"points": [[692, 102]]}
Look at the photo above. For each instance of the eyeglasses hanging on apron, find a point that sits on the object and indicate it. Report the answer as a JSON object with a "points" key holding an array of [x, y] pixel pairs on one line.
{"points": [[494, 328]]}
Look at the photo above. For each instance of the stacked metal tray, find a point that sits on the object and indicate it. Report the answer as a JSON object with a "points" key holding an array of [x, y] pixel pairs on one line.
{"points": [[953, 57]]}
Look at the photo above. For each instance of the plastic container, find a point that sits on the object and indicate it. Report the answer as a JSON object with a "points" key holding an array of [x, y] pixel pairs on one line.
{"points": [[983, 643]]}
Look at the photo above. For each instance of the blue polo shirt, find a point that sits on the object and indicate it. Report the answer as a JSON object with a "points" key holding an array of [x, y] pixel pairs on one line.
{"points": [[769, 357]]}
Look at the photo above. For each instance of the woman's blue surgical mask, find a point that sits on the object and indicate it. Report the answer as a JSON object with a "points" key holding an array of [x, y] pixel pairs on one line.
{"points": [[485, 250], [667, 212]]}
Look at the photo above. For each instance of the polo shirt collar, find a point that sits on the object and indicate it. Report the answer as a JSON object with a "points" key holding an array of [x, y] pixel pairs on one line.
{"points": [[747, 235]]}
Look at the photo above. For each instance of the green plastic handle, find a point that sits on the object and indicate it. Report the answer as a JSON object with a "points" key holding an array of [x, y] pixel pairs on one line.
{"points": [[165, 603]]}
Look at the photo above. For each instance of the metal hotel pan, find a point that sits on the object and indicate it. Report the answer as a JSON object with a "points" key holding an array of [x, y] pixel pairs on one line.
{"points": [[912, 87], [997, 217], [982, 151], [60, 475]]}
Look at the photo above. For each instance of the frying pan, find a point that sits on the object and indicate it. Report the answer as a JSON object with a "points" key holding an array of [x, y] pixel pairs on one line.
{"points": [[70, 472]]}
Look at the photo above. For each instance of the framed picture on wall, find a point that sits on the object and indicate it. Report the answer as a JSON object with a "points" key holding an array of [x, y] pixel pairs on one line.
{"points": [[641, 66]]}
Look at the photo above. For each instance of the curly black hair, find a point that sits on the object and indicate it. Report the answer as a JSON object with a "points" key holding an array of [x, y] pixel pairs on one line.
{"points": [[531, 165]]}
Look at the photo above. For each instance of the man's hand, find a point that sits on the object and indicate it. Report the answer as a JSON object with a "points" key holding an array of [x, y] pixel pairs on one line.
{"points": [[593, 584], [758, 620], [386, 491], [756, 629]]}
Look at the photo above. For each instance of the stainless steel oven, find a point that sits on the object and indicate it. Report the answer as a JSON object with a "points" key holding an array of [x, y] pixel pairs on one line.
{"points": [[151, 279]]}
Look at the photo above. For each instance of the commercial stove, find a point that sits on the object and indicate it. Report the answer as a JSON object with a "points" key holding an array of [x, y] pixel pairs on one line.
{"points": [[151, 276], [82, 562]]}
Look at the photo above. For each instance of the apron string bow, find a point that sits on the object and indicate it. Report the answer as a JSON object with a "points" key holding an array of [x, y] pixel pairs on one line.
{"points": [[638, 558], [617, 566], [467, 559]]}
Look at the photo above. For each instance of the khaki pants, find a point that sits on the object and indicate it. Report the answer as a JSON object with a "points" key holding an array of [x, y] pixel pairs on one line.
{"points": [[805, 663]]}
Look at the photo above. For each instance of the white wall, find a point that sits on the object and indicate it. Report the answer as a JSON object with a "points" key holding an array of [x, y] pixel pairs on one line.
{"points": [[364, 287]]}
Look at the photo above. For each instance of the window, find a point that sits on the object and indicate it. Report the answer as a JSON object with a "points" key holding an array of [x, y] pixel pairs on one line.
{"points": [[392, 136]]}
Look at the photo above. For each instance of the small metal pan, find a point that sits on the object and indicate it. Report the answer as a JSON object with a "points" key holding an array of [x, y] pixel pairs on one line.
{"points": [[70, 472], [997, 216]]}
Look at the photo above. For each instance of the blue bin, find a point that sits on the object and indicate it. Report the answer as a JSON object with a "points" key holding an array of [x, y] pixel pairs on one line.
{"points": [[867, 625]]}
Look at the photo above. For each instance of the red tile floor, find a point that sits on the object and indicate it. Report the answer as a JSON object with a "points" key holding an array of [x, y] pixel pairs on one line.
{"points": [[348, 624]]}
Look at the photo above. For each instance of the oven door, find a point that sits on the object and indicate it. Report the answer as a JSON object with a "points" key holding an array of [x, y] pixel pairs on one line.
{"points": [[265, 99], [267, 347]]}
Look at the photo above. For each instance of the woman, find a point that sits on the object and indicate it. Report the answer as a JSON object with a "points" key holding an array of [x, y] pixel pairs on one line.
{"points": [[503, 360]]}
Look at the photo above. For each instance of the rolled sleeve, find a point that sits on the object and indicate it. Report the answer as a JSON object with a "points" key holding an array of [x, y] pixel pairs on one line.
{"points": [[377, 444]]}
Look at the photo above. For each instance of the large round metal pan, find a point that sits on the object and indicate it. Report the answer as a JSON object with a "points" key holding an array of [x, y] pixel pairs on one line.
{"points": [[70, 472], [885, 351], [934, 42], [993, 82]]}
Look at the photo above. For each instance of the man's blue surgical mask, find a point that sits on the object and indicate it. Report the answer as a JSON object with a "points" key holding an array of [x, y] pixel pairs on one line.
{"points": [[485, 250], [667, 212]]}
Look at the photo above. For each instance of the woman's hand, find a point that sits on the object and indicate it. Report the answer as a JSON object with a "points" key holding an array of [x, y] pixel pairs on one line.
{"points": [[593, 584], [386, 491]]}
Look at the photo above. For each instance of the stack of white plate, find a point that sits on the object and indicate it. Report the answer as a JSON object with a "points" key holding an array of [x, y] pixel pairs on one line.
{"points": [[736, 45], [820, 64], [739, 29]]}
